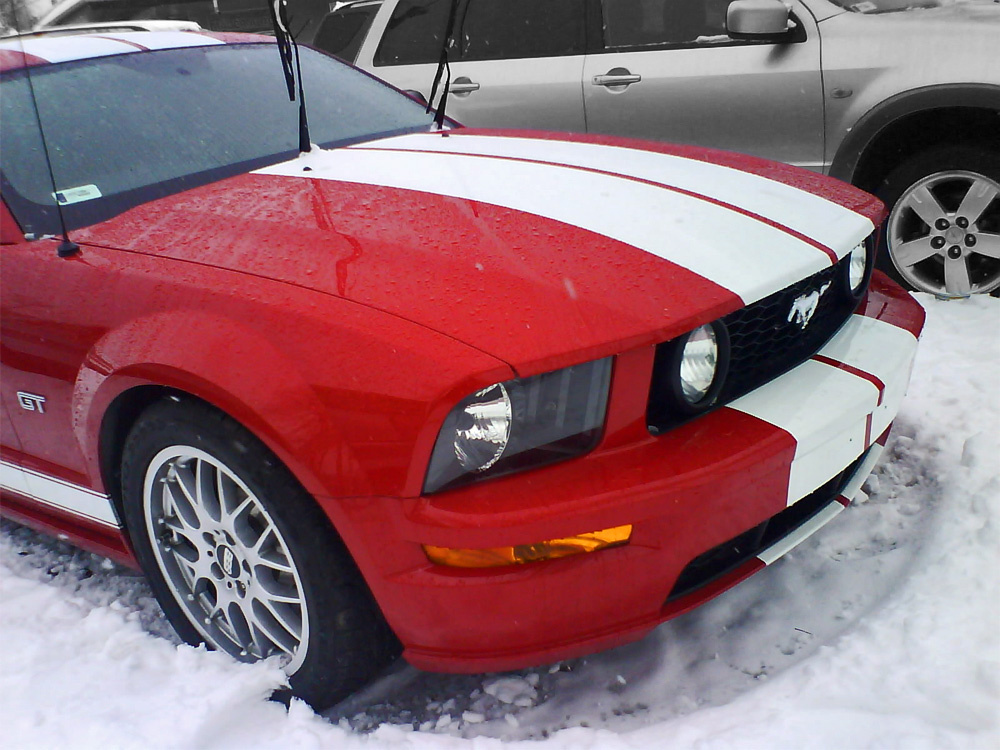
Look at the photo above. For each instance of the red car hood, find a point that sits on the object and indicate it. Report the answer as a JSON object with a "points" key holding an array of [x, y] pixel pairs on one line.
{"points": [[540, 251]]}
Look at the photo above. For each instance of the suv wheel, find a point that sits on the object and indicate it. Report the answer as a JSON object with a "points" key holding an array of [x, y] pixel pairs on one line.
{"points": [[943, 231], [241, 558]]}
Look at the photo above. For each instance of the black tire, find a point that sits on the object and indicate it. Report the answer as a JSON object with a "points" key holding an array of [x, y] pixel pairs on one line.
{"points": [[949, 174], [289, 584]]}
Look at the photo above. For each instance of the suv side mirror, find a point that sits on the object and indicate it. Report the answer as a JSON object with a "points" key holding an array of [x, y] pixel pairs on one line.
{"points": [[757, 20]]}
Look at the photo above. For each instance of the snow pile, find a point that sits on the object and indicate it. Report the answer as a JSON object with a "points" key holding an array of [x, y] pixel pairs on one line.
{"points": [[882, 631]]}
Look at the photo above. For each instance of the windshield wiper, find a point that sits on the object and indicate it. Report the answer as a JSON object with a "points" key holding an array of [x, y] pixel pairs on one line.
{"points": [[442, 68], [288, 48]]}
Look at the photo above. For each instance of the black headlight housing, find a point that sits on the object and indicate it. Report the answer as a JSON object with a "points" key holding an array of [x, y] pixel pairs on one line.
{"points": [[520, 424], [688, 374]]}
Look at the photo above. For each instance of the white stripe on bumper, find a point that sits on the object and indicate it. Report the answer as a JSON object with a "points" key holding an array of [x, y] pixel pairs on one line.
{"points": [[811, 215], [784, 546], [58, 494], [827, 409], [744, 255]]}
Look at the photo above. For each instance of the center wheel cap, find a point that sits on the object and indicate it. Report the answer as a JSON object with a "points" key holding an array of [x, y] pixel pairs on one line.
{"points": [[228, 561], [955, 235]]}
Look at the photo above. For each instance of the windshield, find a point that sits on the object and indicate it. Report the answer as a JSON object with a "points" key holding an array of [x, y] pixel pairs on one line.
{"points": [[127, 129]]}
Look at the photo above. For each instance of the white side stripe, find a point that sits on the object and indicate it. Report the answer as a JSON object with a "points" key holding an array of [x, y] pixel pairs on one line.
{"points": [[811, 215], [826, 409], [58, 494], [746, 256]]}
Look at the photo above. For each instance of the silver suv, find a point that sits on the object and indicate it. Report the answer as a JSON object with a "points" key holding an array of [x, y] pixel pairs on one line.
{"points": [[903, 104]]}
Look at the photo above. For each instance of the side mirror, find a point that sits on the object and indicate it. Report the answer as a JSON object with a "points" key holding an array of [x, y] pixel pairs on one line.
{"points": [[414, 94], [757, 20]]}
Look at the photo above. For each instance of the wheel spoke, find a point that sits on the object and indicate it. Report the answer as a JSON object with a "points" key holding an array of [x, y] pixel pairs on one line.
{"points": [[980, 195], [912, 252], [925, 205], [988, 245], [190, 501], [956, 277], [281, 624]]}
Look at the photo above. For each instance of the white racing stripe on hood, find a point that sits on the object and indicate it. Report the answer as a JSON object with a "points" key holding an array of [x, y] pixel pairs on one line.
{"points": [[811, 215], [742, 254]]}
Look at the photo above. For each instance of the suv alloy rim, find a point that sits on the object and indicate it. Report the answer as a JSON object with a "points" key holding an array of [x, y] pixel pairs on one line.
{"points": [[944, 234]]}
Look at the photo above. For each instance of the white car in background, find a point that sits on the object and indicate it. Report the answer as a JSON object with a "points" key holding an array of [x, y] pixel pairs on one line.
{"points": [[903, 104]]}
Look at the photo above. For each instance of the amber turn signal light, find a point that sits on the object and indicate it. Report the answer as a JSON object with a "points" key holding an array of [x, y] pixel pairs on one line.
{"points": [[549, 550]]}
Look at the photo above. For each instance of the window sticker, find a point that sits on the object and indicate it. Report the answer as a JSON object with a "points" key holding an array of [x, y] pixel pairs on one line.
{"points": [[77, 194]]}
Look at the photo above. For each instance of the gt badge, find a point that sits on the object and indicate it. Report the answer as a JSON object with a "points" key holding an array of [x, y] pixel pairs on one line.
{"points": [[31, 402], [804, 307]]}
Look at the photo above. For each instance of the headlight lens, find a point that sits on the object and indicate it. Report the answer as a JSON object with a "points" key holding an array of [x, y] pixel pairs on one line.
{"points": [[688, 375], [483, 428], [699, 364], [520, 424], [858, 267]]}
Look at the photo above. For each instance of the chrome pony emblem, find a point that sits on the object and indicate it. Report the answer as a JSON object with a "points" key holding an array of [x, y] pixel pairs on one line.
{"points": [[804, 307]]}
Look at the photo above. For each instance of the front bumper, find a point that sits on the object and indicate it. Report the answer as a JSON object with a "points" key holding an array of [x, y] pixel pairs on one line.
{"points": [[816, 429]]}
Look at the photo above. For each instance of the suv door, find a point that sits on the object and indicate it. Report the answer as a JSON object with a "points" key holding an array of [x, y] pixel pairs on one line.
{"points": [[668, 71], [516, 63]]}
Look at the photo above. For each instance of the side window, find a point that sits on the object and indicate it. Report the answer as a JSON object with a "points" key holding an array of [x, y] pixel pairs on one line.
{"points": [[629, 24], [506, 29], [415, 33], [341, 33]]}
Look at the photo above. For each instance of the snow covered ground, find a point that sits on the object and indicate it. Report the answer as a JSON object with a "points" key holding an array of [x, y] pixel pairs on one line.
{"points": [[882, 631]]}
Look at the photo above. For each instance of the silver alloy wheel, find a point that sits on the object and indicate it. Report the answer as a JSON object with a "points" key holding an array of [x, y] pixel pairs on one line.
{"points": [[223, 557], [944, 234]]}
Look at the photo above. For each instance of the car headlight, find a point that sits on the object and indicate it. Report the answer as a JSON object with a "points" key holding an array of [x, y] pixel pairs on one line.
{"points": [[688, 374], [859, 267], [520, 424], [699, 364]]}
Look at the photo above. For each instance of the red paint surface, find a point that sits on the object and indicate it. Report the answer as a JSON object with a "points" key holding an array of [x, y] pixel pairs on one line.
{"points": [[91, 536], [330, 321], [10, 230], [533, 292], [15, 59]]}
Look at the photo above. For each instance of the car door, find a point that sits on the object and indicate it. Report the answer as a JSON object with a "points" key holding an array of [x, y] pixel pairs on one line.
{"points": [[514, 63], [668, 71]]}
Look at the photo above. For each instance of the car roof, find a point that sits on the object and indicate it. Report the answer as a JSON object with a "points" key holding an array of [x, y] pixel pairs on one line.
{"points": [[42, 49]]}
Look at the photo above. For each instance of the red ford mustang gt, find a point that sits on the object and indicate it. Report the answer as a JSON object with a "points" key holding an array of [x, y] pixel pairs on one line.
{"points": [[494, 398]]}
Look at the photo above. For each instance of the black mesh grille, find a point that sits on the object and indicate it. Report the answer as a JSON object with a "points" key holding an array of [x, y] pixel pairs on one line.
{"points": [[765, 341]]}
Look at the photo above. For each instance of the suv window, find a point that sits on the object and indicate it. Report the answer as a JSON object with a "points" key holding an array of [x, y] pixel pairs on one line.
{"points": [[506, 29], [632, 23], [415, 33], [341, 33]]}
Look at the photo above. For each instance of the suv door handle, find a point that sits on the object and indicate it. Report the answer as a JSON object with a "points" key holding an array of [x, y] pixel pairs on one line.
{"points": [[617, 77], [463, 86]]}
